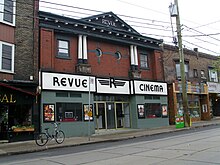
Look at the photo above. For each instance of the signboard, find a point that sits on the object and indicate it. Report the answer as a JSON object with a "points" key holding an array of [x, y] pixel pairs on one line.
{"points": [[213, 87], [112, 86], [150, 88], [57, 81]]}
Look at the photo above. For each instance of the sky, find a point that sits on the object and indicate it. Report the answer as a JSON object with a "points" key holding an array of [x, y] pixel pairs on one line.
{"points": [[200, 19]]}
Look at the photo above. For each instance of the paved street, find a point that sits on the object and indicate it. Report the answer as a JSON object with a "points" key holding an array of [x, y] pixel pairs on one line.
{"points": [[197, 147]]}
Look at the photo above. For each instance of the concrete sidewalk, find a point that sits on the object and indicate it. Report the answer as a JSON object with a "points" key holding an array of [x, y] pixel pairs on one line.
{"points": [[100, 136]]}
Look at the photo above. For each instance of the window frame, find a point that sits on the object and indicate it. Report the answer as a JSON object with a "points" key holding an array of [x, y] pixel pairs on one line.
{"points": [[186, 68], [67, 56], [12, 56], [212, 70], [118, 55], [2, 12], [145, 61]]}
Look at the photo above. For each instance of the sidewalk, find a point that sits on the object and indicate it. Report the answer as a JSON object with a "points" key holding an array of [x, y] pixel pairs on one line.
{"points": [[100, 136]]}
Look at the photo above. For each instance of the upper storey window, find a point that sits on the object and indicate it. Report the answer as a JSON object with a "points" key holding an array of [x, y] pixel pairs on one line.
{"points": [[7, 11], [144, 61], [63, 48], [6, 57]]}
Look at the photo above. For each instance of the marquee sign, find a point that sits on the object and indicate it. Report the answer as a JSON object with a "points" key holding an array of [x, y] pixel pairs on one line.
{"points": [[151, 88], [57, 81], [112, 86]]}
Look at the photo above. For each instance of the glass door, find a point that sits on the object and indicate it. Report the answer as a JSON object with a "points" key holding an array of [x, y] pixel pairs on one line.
{"points": [[126, 109], [110, 111], [119, 115], [100, 109]]}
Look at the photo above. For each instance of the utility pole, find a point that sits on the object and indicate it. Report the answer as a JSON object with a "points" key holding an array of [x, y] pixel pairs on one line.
{"points": [[182, 69]]}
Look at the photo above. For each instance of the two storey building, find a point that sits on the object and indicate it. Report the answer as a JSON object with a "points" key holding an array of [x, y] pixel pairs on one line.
{"points": [[99, 70]]}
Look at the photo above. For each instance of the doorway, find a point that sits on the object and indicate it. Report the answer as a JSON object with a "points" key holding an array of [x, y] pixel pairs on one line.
{"points": [[112, 115]]}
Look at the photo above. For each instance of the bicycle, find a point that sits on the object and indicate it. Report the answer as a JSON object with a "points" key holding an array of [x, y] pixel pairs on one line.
{"points": [[42, 138]]}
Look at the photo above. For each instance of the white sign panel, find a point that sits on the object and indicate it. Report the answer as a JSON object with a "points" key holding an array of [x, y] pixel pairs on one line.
{"points": [[113, 86], [151, 88], [57, 81], [213, 87]]}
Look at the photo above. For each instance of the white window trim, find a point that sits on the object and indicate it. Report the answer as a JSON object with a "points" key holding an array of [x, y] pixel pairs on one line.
{"points": [[2, 13], [12, 57], [210, 75]]}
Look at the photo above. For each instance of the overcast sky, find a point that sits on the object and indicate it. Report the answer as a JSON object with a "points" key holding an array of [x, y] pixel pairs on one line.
{"points": [[200, 19]]}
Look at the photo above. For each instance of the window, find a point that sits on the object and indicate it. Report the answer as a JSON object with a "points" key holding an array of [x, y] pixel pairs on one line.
{"points": [[6, 57], [202, 74], [213, 76], [178, 72], [195, 73], [99, 52], [118, 55], [153, 110], [144, 60], [7, 12], [63, 48], [69, 112]]}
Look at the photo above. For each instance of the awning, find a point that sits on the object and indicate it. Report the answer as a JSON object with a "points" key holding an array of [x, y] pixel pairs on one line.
{"points": [[17, 89]]}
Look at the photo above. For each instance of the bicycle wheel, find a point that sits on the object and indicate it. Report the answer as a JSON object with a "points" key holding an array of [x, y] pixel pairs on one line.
{"points": [[59, 137], [41, 139]]}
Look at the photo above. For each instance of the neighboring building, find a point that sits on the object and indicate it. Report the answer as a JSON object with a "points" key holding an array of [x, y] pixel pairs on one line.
{"points": [[199, 75], [18, 67], [104, 62]]}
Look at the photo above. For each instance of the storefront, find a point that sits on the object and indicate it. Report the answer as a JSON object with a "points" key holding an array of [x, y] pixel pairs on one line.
{"points": [[16, 113], [149, 104], [65, 99], [214, 98], [114, 103], [112, 107], [198, 101]]}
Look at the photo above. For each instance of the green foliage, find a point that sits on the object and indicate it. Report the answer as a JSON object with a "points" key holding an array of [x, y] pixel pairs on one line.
{"points": [[216, 65]]}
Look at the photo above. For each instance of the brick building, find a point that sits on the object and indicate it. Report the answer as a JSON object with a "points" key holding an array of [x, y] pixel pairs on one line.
{"points": [[200, 76], [102, 61], [18, 67]]}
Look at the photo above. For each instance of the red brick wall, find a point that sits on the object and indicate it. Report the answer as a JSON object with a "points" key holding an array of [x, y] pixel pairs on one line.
{"points": [[46, 49], [7, 33], [107, 64]]}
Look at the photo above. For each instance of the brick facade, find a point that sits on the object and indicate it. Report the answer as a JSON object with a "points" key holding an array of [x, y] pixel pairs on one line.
{"points": [[26, 58]]}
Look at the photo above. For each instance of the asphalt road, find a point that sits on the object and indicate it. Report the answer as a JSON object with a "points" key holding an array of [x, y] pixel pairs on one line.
{"points": [[195, 146]]}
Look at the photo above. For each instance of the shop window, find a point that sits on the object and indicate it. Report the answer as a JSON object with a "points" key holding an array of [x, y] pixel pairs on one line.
{"points": [[153, 110], [144, 61], [20, 116], [63, 48], [7, 11], [69, 112], [6, 57]]}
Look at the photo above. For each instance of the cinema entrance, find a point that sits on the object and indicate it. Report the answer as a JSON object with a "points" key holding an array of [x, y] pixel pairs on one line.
{"points": [[112, 115]]}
